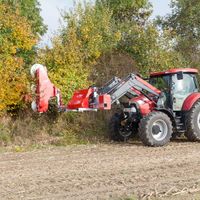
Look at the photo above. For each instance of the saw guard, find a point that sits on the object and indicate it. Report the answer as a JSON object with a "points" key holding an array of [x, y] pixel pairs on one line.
{"points": [[80, 99], [45, 90], [86, 99]]}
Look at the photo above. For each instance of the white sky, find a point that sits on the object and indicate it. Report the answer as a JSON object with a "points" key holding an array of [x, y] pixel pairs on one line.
{"points": [[51, 13]]}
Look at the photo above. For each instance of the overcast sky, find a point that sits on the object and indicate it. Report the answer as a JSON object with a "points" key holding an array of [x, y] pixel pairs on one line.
{"points": [[51, 13]]}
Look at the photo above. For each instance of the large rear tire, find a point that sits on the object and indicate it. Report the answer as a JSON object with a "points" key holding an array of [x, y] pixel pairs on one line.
{"points": [[155, 129], [116, 131], [193, 123]]}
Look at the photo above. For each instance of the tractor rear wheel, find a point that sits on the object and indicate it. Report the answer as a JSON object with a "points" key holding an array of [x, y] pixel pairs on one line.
{"points": [[155, 129], [117, 132], [193, 123]]}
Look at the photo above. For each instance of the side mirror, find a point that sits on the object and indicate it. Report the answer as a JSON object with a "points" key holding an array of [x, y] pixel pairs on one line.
{"points": [[180, 75]]}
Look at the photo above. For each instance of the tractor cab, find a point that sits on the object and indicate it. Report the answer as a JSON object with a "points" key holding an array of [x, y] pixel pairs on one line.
{"points": [[176, 85]]}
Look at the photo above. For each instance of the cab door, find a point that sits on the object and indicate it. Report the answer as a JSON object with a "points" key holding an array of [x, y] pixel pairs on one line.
{"points": [[182, 86]]}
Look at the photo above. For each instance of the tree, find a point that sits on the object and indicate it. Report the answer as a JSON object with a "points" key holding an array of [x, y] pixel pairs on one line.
{"points": [[137, 11], [140, 37], [89, 33], [94, 30], [184, 25], [151, 50], [31, 10], [15, 37]]}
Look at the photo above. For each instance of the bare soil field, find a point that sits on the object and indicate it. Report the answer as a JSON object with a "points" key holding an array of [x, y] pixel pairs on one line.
{"points": [[105, 171]]}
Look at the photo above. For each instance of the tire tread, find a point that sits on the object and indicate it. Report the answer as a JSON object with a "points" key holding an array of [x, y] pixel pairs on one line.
{"points": [[191, 134], [143, 129]]}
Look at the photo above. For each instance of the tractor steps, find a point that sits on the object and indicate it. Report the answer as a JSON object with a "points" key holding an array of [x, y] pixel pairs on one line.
{"points": [[179, 124]]}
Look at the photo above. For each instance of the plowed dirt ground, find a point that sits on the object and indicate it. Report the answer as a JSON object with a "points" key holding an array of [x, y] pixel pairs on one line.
{"points": [[107, 171]]}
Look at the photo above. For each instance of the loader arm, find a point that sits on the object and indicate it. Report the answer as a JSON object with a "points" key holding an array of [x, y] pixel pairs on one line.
{"points": [[132, 84], [113, 83]]}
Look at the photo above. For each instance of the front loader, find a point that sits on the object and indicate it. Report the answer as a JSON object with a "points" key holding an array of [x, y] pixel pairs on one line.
{"points": [[165, 106]]}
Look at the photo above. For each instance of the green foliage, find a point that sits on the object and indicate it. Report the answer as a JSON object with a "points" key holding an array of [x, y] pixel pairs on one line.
{"points": [[184, 26], [89, 34], [29, 9], [151, 50], [132, 10], [5, 136], [140, 38]]}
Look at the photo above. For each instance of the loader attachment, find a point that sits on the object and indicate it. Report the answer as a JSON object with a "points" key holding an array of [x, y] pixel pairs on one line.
{"points": [[82, 100], [89, 99], [44, 89]]}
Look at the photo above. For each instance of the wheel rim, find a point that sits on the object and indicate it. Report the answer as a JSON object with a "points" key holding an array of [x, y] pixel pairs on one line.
{"points": [[125, 131], [159, 130], [198, 120]]}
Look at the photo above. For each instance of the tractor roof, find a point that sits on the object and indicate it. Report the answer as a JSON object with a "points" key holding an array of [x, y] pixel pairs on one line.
{"points": [[174, 71]]}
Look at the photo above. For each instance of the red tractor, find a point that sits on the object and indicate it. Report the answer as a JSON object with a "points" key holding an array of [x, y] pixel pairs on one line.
{"points": [[165, 106]]}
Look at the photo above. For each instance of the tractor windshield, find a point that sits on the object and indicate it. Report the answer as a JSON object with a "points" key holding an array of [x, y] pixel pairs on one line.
{"points": [[160, 82]]}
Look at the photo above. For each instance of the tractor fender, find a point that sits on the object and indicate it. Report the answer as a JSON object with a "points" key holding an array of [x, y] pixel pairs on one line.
{"points": [[190, 101], [168, 113]]}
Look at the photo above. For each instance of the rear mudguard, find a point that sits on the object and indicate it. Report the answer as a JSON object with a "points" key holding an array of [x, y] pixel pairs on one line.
{"points": [[190, 101]]}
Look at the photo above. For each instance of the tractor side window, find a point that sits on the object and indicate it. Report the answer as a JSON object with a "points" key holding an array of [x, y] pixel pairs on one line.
{"points": [[184, 86], [181, 89]]}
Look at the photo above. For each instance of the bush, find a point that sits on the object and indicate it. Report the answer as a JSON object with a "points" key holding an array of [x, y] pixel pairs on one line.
{"points": [[5, 136]]}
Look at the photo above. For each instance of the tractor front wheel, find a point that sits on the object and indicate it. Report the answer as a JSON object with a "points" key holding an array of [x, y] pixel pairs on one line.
{"points": [[117, 131], [155, 129], [193, 123]]}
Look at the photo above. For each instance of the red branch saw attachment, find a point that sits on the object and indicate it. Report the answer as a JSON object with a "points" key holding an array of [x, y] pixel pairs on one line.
{"points": [[82, 100]]}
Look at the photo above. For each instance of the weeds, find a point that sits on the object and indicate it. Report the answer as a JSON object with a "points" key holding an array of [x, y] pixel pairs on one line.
{"points": [[5, 136]]}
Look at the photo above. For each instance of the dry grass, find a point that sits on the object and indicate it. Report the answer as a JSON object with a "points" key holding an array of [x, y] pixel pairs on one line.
{"points": [[32, 129]]}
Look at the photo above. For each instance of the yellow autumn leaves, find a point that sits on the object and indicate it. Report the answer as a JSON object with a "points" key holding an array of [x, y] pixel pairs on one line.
{"points": [[15, 38]]}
